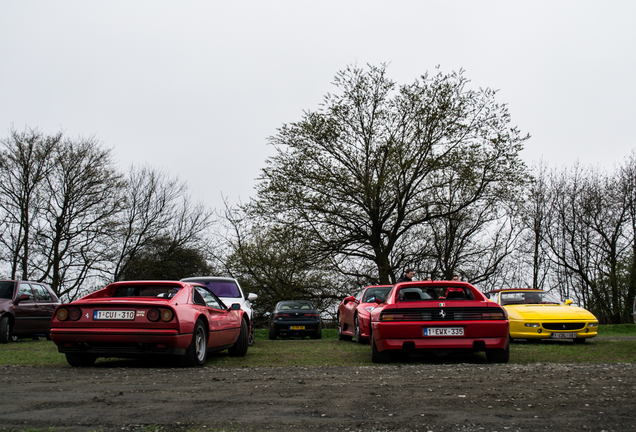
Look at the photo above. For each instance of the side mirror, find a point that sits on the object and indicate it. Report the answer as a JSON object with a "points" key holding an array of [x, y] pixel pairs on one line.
{"points": [[22, 297], [235, 306], [251, 296], [267, 314], [349, 299], [568, 302]]}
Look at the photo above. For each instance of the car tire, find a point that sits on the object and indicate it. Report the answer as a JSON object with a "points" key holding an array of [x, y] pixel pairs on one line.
{"points": [[197, 353], [317, 334], [5, 330], [359, 339], [80, 360], [239, 349], [250, 339], [498, 355], [340, 335], [272, 334], [377, 356]]}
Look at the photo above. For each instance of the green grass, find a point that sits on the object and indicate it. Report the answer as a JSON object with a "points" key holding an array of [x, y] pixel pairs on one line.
{"points": [[617, 330], [329, 351]]}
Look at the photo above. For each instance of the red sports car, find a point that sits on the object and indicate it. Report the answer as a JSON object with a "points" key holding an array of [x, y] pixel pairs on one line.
{"points": [[354, 312], [439, 316], [130, 319]]}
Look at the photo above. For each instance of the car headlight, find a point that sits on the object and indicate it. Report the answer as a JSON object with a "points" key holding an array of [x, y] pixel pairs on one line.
{"points": [[369, 308], [592, 324], [532, 325]]}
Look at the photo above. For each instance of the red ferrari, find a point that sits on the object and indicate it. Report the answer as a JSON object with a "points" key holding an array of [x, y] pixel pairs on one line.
{"points": [[354, 312], [440, 316], [131, 319]]}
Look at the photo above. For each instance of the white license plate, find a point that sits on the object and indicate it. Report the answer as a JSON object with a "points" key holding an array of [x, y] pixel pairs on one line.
{"points": [[563, 336], [443, 331], [113, 315]]}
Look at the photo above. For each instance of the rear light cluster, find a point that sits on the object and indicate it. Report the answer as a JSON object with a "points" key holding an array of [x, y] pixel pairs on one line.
{"points": [[280, 315], [155, 314], [75, 313], [72, 314], [450, 314]]}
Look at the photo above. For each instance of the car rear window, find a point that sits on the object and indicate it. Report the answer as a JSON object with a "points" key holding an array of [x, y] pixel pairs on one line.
{"points": [[289, 305], [166, 291], [222, 288], [435, 293]]}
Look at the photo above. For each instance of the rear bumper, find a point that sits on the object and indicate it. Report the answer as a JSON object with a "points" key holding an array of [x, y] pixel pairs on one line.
{"points": [[294, 327], [119, 342], [410, 335]]}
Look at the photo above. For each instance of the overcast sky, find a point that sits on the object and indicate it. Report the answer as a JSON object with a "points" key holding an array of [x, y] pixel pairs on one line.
{"points": [[197, 87]]}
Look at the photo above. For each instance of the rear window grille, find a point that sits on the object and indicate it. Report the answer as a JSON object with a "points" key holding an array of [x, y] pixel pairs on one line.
{"points": [[440, 314]]}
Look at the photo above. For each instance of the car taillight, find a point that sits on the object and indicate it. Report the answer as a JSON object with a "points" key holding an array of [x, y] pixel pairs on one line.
{"points": [[155, 314], [167, 315], [62, 314], [74, 314], [312, 315], [390, 317], [496, 314], [279, 315]]}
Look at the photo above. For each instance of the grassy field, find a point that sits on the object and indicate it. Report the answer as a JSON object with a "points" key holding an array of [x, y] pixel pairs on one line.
{"points": [[331, 352]]}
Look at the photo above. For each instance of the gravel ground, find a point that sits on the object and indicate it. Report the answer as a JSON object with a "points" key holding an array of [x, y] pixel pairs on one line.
{"points": [[420, 397]]}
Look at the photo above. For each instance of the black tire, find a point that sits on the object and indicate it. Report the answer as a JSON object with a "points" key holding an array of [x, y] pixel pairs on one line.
{"points": [[239, 349], [317, 334], [272, 334], [5, 330], [80, 360], [358, 337], [377, 356], [340, 335], [197, 352], [498, 355], [579, 340]]}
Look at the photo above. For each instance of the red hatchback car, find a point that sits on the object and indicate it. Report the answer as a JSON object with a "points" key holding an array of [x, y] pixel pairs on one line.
{"points": [[439, 316], [354, 313], [130, 319]]}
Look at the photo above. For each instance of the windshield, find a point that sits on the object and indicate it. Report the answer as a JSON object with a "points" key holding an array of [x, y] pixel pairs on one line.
{"points": [[6, 289], [528, 297], [376, 293]]}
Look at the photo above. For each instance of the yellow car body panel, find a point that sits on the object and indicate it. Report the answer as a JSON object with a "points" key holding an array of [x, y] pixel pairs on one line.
{"points": [[547, 321]]}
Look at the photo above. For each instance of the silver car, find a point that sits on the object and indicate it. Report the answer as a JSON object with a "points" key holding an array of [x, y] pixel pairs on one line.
{"points": [[230, 292]]}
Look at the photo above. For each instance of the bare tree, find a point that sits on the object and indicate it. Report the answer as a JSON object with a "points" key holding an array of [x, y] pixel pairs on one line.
{"points": [[589, 243], [359, 173], [25, 163], [80, 218], [157, 213]]}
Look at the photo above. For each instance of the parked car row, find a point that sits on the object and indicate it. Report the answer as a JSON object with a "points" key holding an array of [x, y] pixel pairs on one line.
{"points": [[443, 316], [189, 318]]}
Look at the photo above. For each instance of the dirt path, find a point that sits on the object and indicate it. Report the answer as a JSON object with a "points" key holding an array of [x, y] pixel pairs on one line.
{"points": [[422, 397]]}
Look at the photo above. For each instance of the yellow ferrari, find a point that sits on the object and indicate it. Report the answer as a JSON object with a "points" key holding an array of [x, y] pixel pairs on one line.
{"points": [[536, 314]]}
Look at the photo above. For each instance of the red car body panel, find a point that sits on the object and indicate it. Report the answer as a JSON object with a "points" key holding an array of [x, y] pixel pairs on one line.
{"points": [[397, 323], [351, 306], [117, 337]]}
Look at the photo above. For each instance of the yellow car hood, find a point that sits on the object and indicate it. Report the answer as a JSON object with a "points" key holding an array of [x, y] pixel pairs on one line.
{"points": [[549, 312]]}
